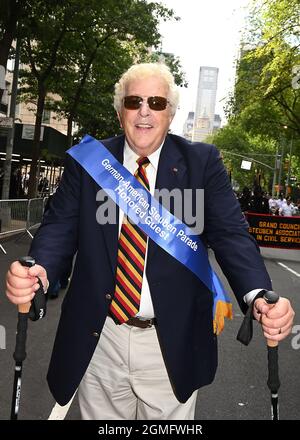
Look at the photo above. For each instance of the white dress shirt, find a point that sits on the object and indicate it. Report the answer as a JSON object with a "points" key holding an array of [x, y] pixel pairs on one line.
{"points": [[287, 210], [146, 310]]}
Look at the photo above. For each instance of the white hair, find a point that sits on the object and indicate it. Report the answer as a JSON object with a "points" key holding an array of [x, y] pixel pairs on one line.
{"points": [[147, 70]]}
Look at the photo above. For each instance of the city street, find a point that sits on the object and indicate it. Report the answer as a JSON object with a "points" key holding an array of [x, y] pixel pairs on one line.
{"points": [[239, 391]]}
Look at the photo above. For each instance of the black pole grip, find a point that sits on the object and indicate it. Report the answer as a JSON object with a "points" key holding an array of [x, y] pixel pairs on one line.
{"points": [[20, 349], [273, 378]]}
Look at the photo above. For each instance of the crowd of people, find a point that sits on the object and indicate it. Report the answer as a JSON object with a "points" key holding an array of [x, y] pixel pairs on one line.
{"points": [[19, 182], [258, 201]]}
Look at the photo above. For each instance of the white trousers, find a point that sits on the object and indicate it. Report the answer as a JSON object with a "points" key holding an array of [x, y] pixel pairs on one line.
{"points": [[127, 379]]}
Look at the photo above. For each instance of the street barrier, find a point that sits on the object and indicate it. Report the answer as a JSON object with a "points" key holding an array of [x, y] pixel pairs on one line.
{"points": [[34, 214], [20, 215]]}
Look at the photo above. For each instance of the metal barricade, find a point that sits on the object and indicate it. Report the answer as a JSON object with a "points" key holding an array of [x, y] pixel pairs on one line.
{"points": [[13, 217], [34, 214], [20, 215]]}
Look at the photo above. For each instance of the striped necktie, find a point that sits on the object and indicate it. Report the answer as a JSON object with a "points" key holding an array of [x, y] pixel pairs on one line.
{"points": [[131, 261]]}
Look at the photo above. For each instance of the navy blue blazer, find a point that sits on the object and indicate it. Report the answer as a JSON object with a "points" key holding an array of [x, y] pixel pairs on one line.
{"points": [[182, 303]]}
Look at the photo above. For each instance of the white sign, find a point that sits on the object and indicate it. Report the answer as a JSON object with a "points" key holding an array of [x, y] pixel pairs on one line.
{"points": [[28, 132], [246, 165], [6, 122]]}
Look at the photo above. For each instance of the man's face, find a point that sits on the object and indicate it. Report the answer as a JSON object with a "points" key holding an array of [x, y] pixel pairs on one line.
{"points": [[145, 129]]}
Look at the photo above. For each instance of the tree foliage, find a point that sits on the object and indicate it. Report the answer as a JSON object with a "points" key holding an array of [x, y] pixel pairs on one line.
{"points": [[92, 109], [265, 105], [76, 49]]}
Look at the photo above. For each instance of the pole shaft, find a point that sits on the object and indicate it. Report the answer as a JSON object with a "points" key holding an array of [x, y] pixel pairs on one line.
{"points": [[15, 403]]}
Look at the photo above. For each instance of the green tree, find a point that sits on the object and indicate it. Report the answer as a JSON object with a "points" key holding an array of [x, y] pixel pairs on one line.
{"points": [[64, 40], [266, 71], [10, 12], [47, 26], [265, 104], [236, 144], [170, 60], [94, 112]]}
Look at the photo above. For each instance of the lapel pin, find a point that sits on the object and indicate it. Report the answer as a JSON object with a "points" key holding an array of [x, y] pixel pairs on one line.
{"points": [[175, 170]]}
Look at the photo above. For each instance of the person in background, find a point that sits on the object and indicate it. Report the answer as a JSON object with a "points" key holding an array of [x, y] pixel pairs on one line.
{"points": [[287, 209], [245, 199]]}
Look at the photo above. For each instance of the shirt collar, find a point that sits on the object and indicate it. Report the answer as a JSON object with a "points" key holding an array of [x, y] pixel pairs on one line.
{"points": [[130, 157]]}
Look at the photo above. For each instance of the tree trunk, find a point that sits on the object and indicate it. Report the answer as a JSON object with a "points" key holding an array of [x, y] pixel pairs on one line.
{"points": [[12, 11], [80, 89], [34, 168]]}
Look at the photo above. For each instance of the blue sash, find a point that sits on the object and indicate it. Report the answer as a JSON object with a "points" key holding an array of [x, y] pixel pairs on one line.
{"points": [[158, 223]]}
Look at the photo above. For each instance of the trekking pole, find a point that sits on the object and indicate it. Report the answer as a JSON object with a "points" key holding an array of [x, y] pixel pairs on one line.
{"points": [[273, 378], [245, 335], [34, 310]]}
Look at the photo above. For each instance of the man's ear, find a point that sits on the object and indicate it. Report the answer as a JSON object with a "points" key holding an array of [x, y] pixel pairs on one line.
{"points": [[120, 119]]}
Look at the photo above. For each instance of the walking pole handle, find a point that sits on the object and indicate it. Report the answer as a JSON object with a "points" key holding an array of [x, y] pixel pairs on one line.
{"points": [[20, 349], [271, 298], [27, 262], [273, 375]]}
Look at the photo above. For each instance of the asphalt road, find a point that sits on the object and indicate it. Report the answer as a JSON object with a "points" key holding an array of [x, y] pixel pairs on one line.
{"points": [[239, 391]]}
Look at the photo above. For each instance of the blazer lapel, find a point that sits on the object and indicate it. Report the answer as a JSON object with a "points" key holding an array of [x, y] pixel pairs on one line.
{"points": [[171, 174]]}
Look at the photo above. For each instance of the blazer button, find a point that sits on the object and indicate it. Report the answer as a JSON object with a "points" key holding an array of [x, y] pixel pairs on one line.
{"points": [[108, 296], [96, 334]]}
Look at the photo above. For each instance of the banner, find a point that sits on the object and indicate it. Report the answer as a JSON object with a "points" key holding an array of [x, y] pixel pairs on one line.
{"points": [[274, 230]]}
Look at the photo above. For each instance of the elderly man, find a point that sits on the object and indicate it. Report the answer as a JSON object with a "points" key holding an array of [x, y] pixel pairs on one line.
{"points": [[136, 330]]}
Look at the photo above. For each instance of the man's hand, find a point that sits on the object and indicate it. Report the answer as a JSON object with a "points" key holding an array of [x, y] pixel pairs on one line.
{"points": [[22, 282], [276, 319]]}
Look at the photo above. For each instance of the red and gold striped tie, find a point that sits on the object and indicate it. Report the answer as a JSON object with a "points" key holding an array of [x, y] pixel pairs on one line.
{"points": [[131, 261]]}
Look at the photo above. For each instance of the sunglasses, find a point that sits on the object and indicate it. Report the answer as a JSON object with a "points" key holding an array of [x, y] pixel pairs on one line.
{"points": [[157, 103]]}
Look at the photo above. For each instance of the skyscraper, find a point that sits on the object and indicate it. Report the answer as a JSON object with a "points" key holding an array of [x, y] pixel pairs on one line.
{"points": [[206, 102]]}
